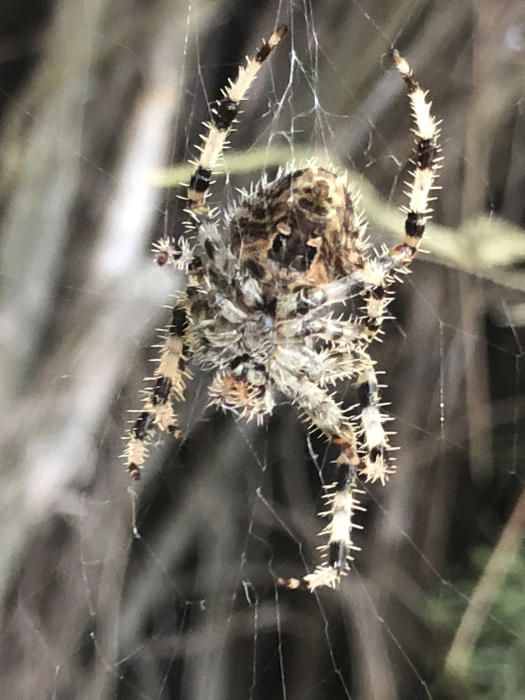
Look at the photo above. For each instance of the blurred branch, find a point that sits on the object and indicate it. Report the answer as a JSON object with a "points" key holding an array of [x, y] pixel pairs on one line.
{"points": [[81, 374], [480, 246], [488, 587]]}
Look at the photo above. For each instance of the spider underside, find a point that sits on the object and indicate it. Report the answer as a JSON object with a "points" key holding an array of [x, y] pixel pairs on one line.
{"points": [[262, 307]]}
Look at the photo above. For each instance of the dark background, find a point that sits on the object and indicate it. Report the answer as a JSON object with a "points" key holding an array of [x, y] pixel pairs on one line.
{"points": [[167, 590]]}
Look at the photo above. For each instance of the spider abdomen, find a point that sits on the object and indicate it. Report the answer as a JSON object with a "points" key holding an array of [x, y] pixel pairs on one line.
{"points": [[301, 229]]}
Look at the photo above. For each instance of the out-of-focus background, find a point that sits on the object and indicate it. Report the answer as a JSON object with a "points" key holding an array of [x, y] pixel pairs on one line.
{"points": [[166, 590]]}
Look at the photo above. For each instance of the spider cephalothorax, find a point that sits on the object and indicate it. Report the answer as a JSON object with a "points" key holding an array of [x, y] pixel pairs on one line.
{"points": [[260, 309]]}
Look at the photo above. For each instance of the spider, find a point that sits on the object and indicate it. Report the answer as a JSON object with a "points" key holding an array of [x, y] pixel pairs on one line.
{"points": [[260, 306]]}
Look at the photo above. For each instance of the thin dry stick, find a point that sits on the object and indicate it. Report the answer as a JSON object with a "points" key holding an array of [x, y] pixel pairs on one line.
{"points": [[488, 586], [484, 246]]}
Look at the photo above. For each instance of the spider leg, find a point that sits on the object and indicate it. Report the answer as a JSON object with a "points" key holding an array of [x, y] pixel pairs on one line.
{"points": [[374, 436], [310, 302], [321, 411], [223, 114], [170, 378], [373, 280], [377, 274], [316, 330], [344, 358], [426, 133], [342, 501]]}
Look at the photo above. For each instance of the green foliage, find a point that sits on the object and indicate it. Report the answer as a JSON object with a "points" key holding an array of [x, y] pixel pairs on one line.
{"points": [[496, 670]]}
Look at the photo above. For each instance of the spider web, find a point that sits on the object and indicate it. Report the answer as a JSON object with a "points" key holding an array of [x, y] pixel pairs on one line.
{"points": [[168, 590]]}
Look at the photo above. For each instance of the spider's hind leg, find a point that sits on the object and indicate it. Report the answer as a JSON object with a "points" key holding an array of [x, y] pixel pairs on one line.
{"points": [[321, 410], [169, 379]]}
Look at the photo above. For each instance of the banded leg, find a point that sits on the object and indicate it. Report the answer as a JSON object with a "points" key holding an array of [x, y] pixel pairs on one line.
{"points": [[378, 273], [223, 114], [426, 164], [320, 409], [310, 302], [170, 378], [374, 436], [342, 497], [308, 307], [373, 280]]}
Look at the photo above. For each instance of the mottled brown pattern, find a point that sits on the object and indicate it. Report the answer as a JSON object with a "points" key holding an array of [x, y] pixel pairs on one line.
{"points": [[301, 229]]}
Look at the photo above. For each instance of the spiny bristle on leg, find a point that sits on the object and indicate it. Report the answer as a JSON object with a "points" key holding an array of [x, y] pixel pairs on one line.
{"points": [[238, 395], [426, 164], [342, 502], [223, 114], [169, 381]]}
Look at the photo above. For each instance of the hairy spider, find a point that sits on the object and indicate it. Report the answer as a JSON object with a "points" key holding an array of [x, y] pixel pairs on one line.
{"points": [[258, 309]]}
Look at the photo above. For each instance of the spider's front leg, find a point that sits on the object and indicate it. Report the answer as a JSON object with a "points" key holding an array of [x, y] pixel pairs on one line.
{"points": [[426, 162], [322, 412], [223, 115], [169, 378]]}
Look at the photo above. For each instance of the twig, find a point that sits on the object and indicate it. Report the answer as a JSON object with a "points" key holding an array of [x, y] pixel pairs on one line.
{"points": [[483, 246], [488, 586]]}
